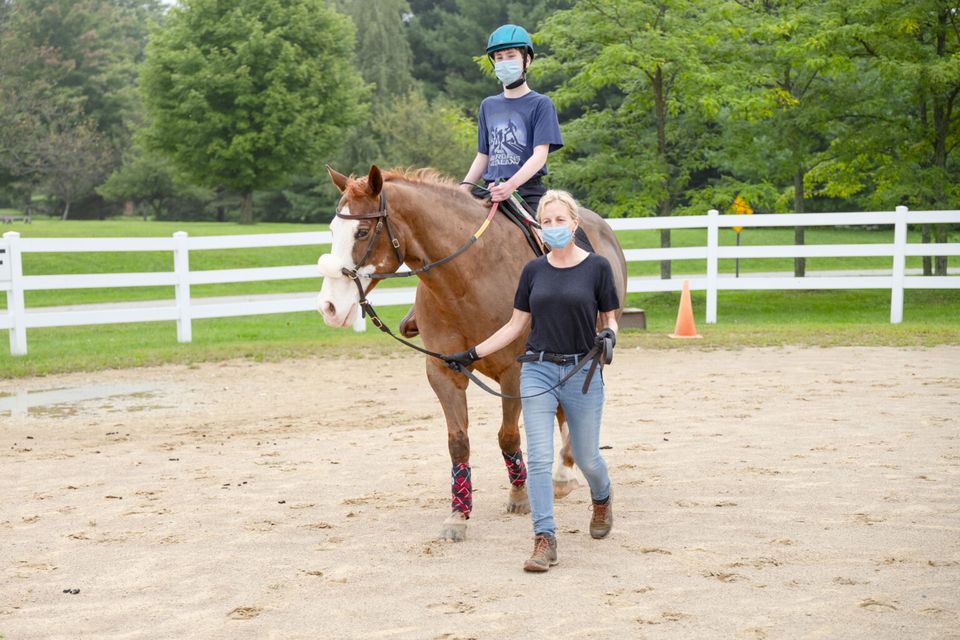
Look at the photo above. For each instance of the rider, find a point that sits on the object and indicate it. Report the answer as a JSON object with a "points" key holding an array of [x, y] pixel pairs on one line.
{"points": [[516, 130]]}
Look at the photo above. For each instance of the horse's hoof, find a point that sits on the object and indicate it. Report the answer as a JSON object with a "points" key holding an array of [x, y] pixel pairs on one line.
{"points": [[563, 488], [517, 501], [454, 528]]}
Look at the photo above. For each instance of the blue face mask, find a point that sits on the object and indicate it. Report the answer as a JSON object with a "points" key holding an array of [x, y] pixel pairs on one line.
{"points": [[508, 71], [556, 237]]}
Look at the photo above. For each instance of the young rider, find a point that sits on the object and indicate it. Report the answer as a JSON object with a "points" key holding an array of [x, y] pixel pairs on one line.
{"points": [[516, 130]]}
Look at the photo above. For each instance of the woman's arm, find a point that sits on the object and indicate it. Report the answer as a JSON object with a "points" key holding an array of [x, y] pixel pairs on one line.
{"points": [[609, 320], [506, 334]]}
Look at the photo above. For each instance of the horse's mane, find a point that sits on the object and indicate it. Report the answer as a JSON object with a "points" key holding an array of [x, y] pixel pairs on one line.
{"points": [[426, 176]]}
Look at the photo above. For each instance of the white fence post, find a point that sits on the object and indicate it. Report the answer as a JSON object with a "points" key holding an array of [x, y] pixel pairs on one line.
{"points": [[713, 244], [899, 266], [181, 265], [15, 301]]}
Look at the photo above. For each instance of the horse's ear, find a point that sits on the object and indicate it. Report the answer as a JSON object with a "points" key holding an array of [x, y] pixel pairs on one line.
{"points": [[374, 181], [339, 179]]}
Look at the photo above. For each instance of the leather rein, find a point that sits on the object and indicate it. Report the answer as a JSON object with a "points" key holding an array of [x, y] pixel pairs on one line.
{"points": [[600, 354]]}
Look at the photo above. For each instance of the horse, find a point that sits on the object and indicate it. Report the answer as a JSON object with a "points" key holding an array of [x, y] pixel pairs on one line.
{"points": [[458, 303]]}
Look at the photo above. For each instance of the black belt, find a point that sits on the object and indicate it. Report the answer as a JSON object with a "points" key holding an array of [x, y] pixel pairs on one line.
{"points": [[555, 358]]}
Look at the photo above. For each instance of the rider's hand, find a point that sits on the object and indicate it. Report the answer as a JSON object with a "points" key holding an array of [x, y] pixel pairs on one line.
{"points": [[607, 332], [501, 192], [462, 359]]}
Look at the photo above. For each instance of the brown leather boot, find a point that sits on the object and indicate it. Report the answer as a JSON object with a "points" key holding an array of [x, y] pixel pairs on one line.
{"points": [[602, 520], [544, 554], [408, 326]]}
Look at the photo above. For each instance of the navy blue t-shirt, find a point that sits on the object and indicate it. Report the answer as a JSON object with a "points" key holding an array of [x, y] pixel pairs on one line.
{"points": [[564, 303], [509, 128]]}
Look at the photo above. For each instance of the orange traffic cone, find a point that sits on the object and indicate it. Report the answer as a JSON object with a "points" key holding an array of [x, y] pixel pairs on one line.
{"points": [[685, 326]]}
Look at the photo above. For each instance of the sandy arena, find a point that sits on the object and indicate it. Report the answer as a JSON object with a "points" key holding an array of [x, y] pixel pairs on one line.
{"points": [[760, 493]]}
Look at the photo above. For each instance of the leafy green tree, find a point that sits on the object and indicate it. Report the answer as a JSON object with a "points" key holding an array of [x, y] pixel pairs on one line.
{"points": [[146, 179], [78, 159], [246, 94], [415, 132], [383, 54], [779, 105], [86, 51], [639, 70], [899, 141]]}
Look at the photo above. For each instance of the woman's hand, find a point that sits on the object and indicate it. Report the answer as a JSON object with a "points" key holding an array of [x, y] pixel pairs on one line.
{"points": [[461, 359]]}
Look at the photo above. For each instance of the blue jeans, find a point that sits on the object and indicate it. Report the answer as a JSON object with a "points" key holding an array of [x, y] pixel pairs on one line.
{"points": [[583, 413]]}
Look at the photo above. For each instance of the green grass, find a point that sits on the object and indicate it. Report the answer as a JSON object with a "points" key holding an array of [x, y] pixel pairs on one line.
{"points": [[746, 318], [819, 318]]}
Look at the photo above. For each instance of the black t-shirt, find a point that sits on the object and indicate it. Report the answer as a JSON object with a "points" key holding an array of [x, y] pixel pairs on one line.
{"points": [[564, 303]]}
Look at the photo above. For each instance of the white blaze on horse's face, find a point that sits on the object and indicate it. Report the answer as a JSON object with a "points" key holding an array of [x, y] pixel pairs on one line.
{"points": [[338, 302]]}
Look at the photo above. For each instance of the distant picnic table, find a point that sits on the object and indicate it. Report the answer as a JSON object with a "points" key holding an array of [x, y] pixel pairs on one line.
{"points": [[11, 219]]}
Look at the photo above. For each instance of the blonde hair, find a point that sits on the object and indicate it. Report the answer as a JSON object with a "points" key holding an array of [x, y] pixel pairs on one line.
{"points": [[564, 198]]}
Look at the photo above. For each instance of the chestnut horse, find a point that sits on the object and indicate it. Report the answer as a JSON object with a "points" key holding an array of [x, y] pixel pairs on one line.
{"points": [[458, 303]]}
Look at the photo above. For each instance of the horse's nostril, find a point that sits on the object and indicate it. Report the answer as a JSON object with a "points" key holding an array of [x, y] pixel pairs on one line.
{"points": [[328, 309]]}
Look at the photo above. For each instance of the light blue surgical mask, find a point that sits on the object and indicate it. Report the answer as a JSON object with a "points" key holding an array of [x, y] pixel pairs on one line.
{"points": [[508, 71], [557, 237]]}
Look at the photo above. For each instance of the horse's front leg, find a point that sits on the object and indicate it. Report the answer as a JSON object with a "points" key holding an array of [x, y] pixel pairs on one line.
{"points": [[509, 437], [564, 479], [450, 388]]}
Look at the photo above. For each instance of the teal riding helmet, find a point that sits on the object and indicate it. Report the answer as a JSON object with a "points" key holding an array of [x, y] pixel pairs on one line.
{"points": [[509, 36]]}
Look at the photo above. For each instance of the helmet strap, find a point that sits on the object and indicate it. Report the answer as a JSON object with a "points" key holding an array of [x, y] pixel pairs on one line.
{"points": [[517, 83]]}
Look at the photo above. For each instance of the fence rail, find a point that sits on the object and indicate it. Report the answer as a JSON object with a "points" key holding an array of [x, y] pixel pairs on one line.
{"points": [[16, 319]]}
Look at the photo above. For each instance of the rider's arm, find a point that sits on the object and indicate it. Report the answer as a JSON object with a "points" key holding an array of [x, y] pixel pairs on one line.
{"points": [[477, 168], [518, 323], [529, 169]]}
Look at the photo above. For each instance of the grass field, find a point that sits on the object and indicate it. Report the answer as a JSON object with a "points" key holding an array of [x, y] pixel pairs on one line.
{"points": [[744, 318]]}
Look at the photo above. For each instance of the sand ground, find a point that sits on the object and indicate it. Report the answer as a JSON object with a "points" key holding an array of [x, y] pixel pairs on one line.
{"points": [[760, 493]]}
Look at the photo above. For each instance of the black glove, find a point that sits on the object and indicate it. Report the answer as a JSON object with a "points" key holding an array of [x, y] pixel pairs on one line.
{"points": [[462, 359], [607, 332]]}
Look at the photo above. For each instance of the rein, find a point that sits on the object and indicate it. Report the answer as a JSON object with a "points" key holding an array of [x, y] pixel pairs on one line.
{"points": [[600, 354]]}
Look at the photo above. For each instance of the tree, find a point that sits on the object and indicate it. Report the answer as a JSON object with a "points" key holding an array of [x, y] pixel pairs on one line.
{"points": [[383, 54], [86, 50], [781, 101], [146, 178], [639, 70], [244, 94], [414, 132], [899, 140], [78, 159]]}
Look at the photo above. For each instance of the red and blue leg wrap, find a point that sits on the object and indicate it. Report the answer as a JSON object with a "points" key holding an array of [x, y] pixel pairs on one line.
{"points": [[462, 489], [515, 467]]}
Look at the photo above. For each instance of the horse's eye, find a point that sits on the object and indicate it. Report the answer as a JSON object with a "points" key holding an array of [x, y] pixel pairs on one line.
{"points": [[361, 233]]}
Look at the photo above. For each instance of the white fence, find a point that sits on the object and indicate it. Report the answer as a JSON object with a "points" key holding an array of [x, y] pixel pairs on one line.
{"points": [[17, 319]]}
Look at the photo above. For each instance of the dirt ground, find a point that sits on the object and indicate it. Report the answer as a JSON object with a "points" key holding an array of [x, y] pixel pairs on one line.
{"points": [[760, 493]]}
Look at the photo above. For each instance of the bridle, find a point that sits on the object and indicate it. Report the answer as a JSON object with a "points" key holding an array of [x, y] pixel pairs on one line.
{"points": [[599, 354], [382, 216]]}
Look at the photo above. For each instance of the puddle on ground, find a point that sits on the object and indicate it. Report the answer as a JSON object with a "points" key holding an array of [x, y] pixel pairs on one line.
{"points": [[64, 402]]}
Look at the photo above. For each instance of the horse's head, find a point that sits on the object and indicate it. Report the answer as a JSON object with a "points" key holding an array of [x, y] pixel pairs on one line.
{"points": [[363, 241]]}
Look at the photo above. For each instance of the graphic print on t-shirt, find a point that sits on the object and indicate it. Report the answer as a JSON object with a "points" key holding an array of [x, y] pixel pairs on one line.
{"points": [[508, 139]]}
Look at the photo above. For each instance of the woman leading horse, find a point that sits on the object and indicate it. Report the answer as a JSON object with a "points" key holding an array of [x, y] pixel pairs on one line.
{"points": [[417, 218]]}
